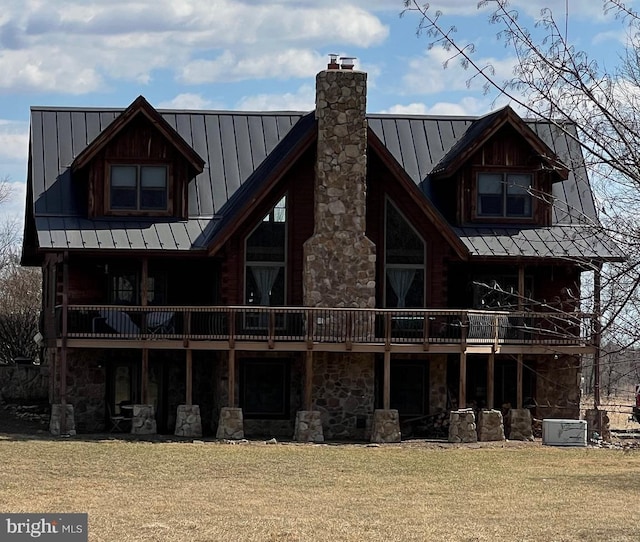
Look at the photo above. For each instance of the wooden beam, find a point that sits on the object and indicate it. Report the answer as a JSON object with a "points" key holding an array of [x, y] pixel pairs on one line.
{"points": [[597, 333], [491, 365], [521, 287], [63, 350], [519, 381], [144, 282], [462, 392], [232, 377], [386, 393], [144, 377], [189, 393], [308, 380]]}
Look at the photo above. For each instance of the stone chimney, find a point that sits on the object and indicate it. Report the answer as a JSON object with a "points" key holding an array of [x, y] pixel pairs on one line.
{"points": [[339, 258]]}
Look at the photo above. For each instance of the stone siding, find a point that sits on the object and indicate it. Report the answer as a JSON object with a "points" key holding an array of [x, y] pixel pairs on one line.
{"points": [[24, 383], [343, 391], [339, 259], [558, 387]]}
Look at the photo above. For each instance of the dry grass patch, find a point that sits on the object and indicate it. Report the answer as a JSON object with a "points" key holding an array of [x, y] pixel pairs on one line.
{"points": [[204, 492]]}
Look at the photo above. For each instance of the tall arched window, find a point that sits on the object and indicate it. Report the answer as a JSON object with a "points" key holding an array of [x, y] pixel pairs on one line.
{"points": [[266, 259], [404, 262]]}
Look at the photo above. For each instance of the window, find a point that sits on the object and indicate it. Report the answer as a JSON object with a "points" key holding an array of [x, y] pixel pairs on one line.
{"points": [[500, 292], [124, 288], [266, 258], [404, 262], [264, 388], [504, 195], [138, 188]]}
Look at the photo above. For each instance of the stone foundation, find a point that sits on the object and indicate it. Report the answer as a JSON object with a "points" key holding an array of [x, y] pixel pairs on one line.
{"points": [[437, 383], [520, 424], [308, 426], [462, 426], [231, 424], [143, 421], [386, 426], [597, 424], [188, 421], [55, 424], [343, 391], [557, 387], [490, 426]]}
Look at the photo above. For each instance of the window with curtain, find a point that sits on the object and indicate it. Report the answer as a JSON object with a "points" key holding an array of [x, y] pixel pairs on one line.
{"points": [[404, 262], [265, 258]]}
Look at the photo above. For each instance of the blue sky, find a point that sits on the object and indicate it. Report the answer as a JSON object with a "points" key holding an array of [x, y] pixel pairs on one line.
{"points": [[246, 54]]}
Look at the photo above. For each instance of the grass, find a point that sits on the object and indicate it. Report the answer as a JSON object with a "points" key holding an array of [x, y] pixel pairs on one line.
{"points": [[144, 491]]}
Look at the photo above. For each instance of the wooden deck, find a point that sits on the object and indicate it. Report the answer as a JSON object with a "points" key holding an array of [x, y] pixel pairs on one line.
{"points": [[323, 329]]}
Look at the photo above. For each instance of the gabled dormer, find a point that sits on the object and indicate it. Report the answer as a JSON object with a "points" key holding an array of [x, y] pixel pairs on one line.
{"points": [[499, 172], [137, 166]]}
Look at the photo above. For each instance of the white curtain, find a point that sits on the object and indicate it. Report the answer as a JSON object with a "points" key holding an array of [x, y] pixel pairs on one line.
{"points": [[265, 277], [401, 280]]}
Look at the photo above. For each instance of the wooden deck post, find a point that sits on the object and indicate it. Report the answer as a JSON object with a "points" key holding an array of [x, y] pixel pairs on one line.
{"points": [[491, 368], [63, 350], [519, 380], [386, 395], [144, 377], [232, 378], [462, 392], [308, 380], [189, 393], [597, 333]]}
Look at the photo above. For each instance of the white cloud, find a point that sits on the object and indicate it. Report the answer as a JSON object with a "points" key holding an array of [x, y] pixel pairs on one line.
{"points": [[427, 75], [468, 106], [72, 46], [302, 100], [188, 101], [14, 141], [234, 67]]}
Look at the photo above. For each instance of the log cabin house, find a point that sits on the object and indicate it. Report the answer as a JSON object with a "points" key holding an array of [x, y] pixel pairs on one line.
{"points": [[255, 266]]}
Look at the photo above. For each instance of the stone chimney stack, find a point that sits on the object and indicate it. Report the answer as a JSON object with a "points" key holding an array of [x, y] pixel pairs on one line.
{"points": [[339, 258]]}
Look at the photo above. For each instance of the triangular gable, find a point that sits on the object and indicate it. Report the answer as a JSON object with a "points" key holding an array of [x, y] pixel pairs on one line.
{"points": [[259, 185], [140, 106], [482, 130], [421, 200]]}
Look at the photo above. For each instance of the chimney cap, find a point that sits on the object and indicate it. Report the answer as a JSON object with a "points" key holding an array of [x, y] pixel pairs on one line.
{"points": [[333, 61], [346, 62]]}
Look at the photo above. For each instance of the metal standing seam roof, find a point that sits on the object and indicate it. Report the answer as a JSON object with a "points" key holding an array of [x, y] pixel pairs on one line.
{"points": [[235, 144]]}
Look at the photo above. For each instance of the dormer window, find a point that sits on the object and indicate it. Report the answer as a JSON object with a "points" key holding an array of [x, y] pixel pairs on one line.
{"points": [[138, 187], [504, 195]]}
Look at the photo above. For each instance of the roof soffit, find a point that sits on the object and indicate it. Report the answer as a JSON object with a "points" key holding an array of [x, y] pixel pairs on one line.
{"points": [[140, 106], [482, 130]]}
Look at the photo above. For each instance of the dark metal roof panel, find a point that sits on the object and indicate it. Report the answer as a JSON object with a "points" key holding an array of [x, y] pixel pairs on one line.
{"points": [[561, 241]]}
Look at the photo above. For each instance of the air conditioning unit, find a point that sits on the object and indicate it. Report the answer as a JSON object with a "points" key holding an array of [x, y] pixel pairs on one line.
{"points": [[564, 432]]}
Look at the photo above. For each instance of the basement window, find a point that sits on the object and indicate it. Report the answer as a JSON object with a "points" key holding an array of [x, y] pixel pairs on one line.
{"points": [[264, 388]]}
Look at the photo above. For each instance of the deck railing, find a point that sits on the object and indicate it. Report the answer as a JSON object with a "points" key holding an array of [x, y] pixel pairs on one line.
{"points": [[326, 325]]}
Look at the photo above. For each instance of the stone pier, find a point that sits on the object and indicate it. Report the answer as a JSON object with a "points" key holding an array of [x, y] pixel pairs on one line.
{"points": [[55, 423], [462, 426], [490, 426], [597, 423], [386, 426], [188, 421], [308, 426], [143, 421], [520, 423], [231, 424]]}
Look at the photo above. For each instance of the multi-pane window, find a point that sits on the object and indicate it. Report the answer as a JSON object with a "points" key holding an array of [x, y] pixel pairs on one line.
{"points": [[138, 188], [504, 195], [265, 259], [264, 388], [124, 288], [404, 262]]}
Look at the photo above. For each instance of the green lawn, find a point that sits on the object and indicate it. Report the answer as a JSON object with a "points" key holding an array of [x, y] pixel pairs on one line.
{"points": [[166, 491]]}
